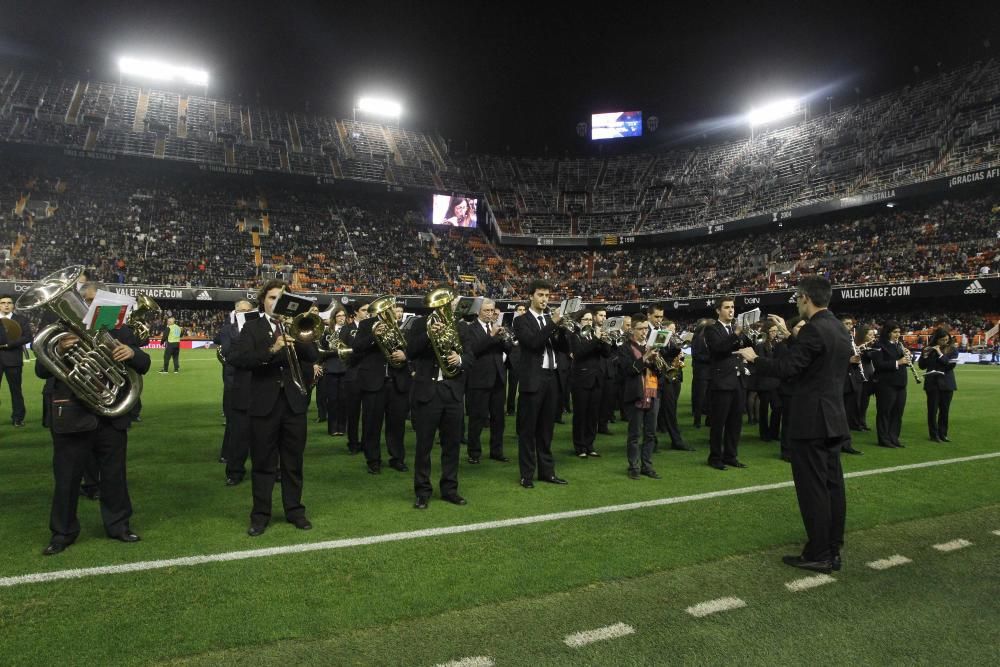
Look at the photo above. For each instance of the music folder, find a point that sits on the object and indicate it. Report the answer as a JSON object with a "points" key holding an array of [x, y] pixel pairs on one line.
{"points": [[290, 305]]}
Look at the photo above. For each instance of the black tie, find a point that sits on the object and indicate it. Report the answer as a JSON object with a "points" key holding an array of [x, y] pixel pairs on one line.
{"points": [[549, 354]]}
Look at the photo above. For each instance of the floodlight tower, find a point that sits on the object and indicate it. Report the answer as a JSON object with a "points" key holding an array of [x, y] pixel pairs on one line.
{"points": [[377, 106], [774, 111], [158, 70]]}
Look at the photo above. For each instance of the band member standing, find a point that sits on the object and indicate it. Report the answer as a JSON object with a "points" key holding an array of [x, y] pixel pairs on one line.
{"points": [[236, 438], [939, 362], [865, 341], [171, 345], [277, 410], [769, 417], [654, 315], [486, 385], [384, 391], [334, 369], [609, 369], [727, 391], [670, 391], [513, 359], [701, 364], [817, 422], [81, 436], [640, 385], [890, 394], [437, 409], [538, 374], [590, 351], [350, 389], [789, 332], [12, 357]]}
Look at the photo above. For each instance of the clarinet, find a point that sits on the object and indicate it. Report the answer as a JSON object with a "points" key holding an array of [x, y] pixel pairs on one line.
{"points": [[906, 353]]}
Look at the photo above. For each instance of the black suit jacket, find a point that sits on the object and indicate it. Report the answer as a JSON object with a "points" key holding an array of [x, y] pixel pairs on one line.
{"points": [[633, 373], [12, 351], [425, 366], [269, 374], [764, 382], [941, 369], [532, 338], [488, 366], [588, 360], [371, 364], [726, 369], [347, 334], [884, 356], [818, 361]]}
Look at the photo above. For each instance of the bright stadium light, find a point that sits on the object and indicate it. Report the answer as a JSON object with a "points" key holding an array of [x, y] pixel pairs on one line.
{"points": [[380, 106], [161, 71], [774, 111]]}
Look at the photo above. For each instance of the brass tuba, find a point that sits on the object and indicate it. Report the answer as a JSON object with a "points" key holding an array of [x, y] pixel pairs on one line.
{"points": [[447, 340], [391, 338], [87, 368], [144, 305]]}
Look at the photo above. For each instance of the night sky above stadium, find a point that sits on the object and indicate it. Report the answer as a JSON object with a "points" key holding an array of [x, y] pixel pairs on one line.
{"points": [[494, 75]]}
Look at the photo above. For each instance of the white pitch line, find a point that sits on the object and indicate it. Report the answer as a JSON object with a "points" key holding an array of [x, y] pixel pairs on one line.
{"points": [[806, 583], [600, 634], [141, 566], [997, 533], [954, 545], [891, 561], [703, 609], [476, 661]]}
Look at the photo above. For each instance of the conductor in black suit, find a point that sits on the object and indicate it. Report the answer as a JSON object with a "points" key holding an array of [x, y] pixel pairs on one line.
{"points": [[939, 360], [12, 357], [727, 389], [436, 407], [817, 421], [486, 383], [277, 410], [539, 335]]}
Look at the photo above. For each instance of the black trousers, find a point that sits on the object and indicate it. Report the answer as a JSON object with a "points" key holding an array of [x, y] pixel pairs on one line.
{"points": [[889, 405], [441, 414], [386, 406], [864, 400], [608, 403], [852, 406], [71, 454], [938, 406], [586, 412], [350, 402], [769, 414], [699, 396], [641, 437], [536, 413], [727, 425], [278, 437], [13, 374], [322, 406], [486, 407], [819, 487], [172, 351], [335, 413], [511, 390], [667, 418], [236, 438]]}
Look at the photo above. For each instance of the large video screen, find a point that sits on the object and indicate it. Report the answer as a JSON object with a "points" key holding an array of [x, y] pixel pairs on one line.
{"points": [[615, 125], [455, 211]]}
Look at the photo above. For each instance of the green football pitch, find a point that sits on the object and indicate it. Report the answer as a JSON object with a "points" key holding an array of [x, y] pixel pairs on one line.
{"points": [[602, 571]]}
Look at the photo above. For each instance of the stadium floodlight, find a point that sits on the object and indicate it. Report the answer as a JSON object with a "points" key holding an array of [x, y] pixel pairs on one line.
{"points": [[161, 71], [380, 106], [774, 111]]}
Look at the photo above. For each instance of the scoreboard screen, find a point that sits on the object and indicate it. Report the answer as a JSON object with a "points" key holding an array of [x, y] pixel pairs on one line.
{"points": [[615, 125]]}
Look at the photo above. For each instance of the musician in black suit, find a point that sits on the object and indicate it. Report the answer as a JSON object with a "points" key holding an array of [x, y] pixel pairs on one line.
{"points": [[938, 361], [436, 408], [12, 357], [80, 436], [727, 391], [789, 332], [769, 408], [590, 352], [334, 369], [277, 410], [891, 362], [236, 437], [609, 371], [486, 383], [349, 401], [670, 389], [701, 365], [539, 335], [513, 359], [817, 422]]}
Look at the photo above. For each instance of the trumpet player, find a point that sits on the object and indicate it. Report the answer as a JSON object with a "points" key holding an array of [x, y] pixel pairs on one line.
{"points": [[640, 384], [589, 350], [938, 361], [891, 362], [672, 379], [486, 382], [277, 407]]}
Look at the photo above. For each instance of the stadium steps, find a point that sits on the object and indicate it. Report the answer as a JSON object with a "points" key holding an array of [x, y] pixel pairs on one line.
{"points": [[338, 172], [437, 181], [73, 111], [397, 157], [182, 110], [139, 124], [436, 153], [293, 130], [283, 159], [230, 154], [342, 131], [91, 141], [160, 148]]}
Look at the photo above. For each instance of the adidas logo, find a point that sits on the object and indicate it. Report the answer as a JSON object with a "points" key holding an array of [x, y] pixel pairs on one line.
{"points": [[203, 295], [975, 287]]}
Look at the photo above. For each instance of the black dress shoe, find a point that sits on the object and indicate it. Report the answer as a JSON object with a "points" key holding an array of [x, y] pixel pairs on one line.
{"points": [[455, 499], [786, 459], [54, 548], [899, 445], [474, 460], [501, 459], [222, 459], [581, 455], [652, 474], [851, 450], [887, 445], [604, 431], [633, 474], [823, 566], [945, 438], [836, 563], [526, 483], [375, 470], [301, 523], [736, 464], [553, 480], [126, 536], [934, 438], [717, 466], [593, 455], [91, 495], [19, 424], [233, 481], [256, 531], [420, 503], [401, 467], [683, 448]]}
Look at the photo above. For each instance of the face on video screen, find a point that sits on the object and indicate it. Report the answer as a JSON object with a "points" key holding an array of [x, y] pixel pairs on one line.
{"points": [[454, 211]]}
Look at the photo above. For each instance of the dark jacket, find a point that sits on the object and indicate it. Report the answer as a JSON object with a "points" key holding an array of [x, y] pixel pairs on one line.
{"points": [[12, 351], [425, 366], [532, 339], [726, 369], [488, 350], [588, 361], [633, 372], [269, 373], [940, 369], [371, 363], [885, 356], [765, 382]]}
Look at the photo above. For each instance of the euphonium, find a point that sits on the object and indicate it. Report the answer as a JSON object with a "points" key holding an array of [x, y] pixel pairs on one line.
{"points": [[447, 340], [333, 346], [87, 368], [144, 306], [391, 338], [676, 367]]}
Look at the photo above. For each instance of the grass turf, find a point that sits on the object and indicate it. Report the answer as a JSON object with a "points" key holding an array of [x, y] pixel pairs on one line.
{"points": [[182, 508]]}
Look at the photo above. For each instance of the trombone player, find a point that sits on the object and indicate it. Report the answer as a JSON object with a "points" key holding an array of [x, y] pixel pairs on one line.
{"points": [[276, 400]]}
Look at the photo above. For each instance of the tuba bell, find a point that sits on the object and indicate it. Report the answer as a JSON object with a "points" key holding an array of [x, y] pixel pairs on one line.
{"points": [[391, 338], [144, 306], [87, 368], [447, 340]]}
